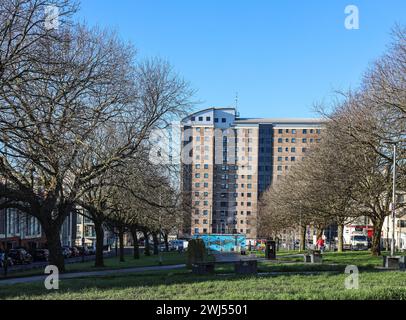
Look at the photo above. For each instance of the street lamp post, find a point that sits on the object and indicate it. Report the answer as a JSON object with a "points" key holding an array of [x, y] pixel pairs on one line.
{"points": [[392, 248], [5, 263], [5, 226]]}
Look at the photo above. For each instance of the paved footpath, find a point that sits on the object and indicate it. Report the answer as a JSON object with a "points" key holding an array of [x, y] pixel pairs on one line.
{"points": [[100, 273]]}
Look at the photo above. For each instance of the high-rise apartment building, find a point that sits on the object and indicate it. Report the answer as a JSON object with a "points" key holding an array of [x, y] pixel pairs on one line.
{"points": [[228, 161]]}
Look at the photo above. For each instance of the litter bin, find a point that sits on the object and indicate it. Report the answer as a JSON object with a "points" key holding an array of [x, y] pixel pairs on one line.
{"points": [[270, 250]]}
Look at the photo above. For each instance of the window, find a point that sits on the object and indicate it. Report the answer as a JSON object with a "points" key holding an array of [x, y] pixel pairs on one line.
{"points": [[303, 149], [318, 131], [287, 130], [292, 159], [197, 175], [205, 212], [206, 166], [196, 230], [248, 195], [279, 168], [304, 140], [248, 213], [197, 203], [311, 130], [223, 120], [197, 193], [197, 184], [293, 149], [216, 120], [204, 221], [293, 140], [249, 185], [311, 140], [200, 118], [280, 140], [207, 118], [206, 175], [304, 131], [279, 149], [198, 129], [248, 204], [293, 131], [196, 221], [279, 158], [206, 185], [193, 118]]}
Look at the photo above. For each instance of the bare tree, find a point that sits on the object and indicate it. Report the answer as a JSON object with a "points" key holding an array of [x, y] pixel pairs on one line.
{"points": [[82, 87]]}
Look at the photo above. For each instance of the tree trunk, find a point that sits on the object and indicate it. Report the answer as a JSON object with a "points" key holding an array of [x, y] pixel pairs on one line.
{"points": [[376, 238], [165, 236], [52, 234], [319, 233], [340, 236], [302, 238], [99, 262], [156, 244], [136, 251], [121, 239], [146, 242]]}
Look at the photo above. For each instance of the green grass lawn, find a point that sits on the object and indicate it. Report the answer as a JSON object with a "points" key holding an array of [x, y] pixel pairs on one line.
{"points": [[168, 258], [181, 284]]}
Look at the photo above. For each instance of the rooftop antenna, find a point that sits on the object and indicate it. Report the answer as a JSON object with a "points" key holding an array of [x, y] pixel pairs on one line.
{"points": [[236, 104]]}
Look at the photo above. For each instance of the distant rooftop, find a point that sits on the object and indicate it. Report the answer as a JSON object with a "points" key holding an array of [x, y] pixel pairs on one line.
{"points": [[238, 120], [279, 120]]}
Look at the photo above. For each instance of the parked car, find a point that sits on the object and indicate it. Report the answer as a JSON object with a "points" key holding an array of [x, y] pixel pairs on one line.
{"points": [[40, 254], [91, 250], [75, 252], [83, 251], [2, 258], [20, 256], [67, 253]]}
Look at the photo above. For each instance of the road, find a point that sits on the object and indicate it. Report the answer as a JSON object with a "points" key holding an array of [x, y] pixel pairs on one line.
{"points": [[42, 264]]}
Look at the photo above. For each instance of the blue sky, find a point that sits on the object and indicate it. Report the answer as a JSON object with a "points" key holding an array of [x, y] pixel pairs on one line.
{"points": [[281, 56]]}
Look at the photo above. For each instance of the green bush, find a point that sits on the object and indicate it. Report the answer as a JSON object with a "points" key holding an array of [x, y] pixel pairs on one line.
{"points": [[196, 252]]}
